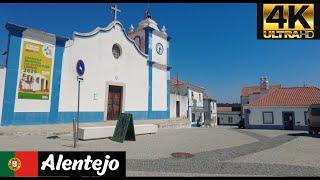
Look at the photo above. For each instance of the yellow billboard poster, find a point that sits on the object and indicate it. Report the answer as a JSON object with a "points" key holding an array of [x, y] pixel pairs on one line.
{"points": [[35, 70]]}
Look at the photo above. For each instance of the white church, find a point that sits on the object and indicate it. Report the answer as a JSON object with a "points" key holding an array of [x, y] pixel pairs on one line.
{"points": [[124, 72]]}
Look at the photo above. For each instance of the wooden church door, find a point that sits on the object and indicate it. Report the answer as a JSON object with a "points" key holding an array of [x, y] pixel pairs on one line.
{"points": [[114, 102]]}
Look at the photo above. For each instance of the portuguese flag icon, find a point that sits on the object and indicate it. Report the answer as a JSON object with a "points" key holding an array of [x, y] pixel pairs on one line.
{"points": [[19, 163]]}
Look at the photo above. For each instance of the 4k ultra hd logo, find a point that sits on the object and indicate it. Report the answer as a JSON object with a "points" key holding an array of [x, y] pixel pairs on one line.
{"points": [[288, 21]]}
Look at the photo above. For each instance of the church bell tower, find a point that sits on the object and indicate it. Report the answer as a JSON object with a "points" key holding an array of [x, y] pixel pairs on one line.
{"points": [[155, 43]]}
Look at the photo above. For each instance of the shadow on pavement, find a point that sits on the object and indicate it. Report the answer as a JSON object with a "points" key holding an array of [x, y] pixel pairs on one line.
{"points": [[53, 137], [304, 134], [229, 126]]}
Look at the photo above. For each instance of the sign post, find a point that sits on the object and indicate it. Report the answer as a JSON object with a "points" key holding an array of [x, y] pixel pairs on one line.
{"points": [[74, 133], [80, 71]]}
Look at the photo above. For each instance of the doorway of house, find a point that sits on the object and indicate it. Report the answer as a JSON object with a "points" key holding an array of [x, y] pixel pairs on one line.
{"points": [[193, 117], [114, 102], [177, 109], [288, 120]]}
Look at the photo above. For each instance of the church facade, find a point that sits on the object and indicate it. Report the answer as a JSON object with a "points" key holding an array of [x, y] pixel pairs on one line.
{"points": [[124, 72]]}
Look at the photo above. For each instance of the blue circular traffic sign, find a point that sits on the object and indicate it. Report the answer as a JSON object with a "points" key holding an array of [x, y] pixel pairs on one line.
{"points": [[80, 67]]}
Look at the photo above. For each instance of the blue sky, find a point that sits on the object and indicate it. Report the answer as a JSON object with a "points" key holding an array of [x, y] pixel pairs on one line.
{"points": [[213, 45]]}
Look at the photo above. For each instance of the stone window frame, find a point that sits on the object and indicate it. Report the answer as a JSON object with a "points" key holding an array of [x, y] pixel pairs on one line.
{"points": [[120, 50]]}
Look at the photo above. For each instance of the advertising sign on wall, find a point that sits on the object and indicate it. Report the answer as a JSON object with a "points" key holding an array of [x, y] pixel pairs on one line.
{"points": [[35, 70]]}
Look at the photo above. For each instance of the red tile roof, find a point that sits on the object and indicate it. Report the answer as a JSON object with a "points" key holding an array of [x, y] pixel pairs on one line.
{"points": [[256, 89], [224, 109], [295, 96], [174, 81]]}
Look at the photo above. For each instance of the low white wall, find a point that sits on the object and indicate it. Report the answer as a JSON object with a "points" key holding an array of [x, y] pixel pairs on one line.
{"points": [[255, 116], [87, 133], [2, 84]]}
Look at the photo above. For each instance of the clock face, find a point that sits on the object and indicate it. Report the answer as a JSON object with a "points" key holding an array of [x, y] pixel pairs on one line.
{"points": [[159, 48]]}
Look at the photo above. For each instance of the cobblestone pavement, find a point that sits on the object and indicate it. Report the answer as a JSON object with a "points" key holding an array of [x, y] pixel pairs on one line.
{"points": [[150, 146], [219, 151], [216, 162]]}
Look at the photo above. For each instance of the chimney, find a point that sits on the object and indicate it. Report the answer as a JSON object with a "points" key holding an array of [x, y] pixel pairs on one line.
{"points": [[264, 83]]}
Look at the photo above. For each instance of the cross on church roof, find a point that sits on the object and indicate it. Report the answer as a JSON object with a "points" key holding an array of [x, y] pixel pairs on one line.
{"points": [[115, 11], [148, 14]]}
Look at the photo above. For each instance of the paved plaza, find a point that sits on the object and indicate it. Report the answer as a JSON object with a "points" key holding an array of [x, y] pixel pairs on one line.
{"points": [[219, 151]]}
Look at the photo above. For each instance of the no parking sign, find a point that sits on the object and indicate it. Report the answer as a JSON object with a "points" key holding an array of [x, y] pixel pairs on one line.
{"points": [[80, 68]]}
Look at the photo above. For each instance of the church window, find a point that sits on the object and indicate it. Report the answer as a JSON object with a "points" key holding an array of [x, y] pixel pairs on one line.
{"points": [[116, 51]]}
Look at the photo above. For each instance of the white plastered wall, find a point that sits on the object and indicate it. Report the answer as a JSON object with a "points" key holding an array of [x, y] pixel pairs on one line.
{"points": [[198, 96], [159, 58], [255, 116], [183, 105], [159, 76], [2, 84], [159, 89], [101, 68]]}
